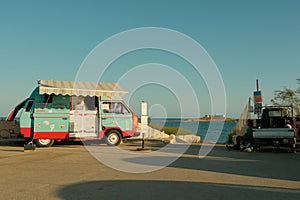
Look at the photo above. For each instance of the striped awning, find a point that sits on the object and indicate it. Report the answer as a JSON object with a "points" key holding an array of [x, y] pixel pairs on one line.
{"points": [[80, 88]]}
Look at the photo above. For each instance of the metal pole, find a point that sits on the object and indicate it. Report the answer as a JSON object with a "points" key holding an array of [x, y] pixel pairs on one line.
{"points": [[257, 89], [143, 141]]}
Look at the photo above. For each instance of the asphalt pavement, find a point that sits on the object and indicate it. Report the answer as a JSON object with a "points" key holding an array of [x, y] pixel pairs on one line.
{"points": [[70, 171]]}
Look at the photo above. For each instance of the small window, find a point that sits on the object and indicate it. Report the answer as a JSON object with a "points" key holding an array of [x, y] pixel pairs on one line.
{"points": [[28, 107]]}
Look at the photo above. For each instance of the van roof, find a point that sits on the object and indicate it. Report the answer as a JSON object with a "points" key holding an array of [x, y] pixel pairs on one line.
{"points": [[80, 88]]}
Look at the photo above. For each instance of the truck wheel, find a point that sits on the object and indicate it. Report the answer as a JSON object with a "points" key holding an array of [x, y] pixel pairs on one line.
{"points": [[44, 142], [113, 138], [294, 150], [4, 134]]}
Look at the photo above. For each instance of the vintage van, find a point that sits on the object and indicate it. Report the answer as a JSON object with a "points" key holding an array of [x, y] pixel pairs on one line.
{"points": [[65, 110]]}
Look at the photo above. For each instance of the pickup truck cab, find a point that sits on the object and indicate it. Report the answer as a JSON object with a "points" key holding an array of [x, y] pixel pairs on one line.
{"points": [[275, 127]]}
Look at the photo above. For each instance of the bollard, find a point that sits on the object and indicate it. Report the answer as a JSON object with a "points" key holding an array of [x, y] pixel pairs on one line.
{"points": [[143, 140], [30, 147], [143, 149]]}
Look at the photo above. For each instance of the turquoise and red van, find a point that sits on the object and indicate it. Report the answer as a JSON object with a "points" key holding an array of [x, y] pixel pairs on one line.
{"points": [[65, 110]]}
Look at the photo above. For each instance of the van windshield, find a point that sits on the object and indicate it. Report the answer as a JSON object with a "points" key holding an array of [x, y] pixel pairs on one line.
{"points": [[114, 107]]}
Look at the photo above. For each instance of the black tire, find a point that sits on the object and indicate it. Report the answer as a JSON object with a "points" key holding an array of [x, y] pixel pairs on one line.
{"points": [[294, 150], [4, 134], [113, 138], [44, 142]]}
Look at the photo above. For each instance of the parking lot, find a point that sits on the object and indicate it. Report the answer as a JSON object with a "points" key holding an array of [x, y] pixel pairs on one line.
{"points": [[69, 171]]}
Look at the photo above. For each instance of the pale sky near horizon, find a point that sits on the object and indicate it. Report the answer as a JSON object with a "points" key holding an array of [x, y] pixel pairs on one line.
{"points": [[247, 40]]}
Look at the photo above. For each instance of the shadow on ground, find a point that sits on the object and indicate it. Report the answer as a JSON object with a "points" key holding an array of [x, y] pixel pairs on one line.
{"points": [[12, 142], [269, 164], [20, 142], [145, 189]]}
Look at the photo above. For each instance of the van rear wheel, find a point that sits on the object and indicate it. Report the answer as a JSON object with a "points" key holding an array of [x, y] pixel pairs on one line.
{"points": [[113, 138], [44, 142]]}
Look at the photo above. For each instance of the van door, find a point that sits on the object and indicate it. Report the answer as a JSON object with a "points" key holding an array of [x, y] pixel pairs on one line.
{"points": [[116, 114], [84, 117]]}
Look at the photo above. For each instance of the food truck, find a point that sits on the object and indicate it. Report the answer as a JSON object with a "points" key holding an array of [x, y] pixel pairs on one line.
{"points": [[65, 110]]}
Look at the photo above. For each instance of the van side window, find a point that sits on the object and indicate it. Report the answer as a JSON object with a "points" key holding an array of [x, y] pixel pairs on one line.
{"points": [[48, 98], [114, 107], [28, 107], [90, 103]]}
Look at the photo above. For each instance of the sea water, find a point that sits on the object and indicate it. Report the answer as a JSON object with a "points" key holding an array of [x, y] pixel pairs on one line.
{"points": [[200, 128], [217, 132]]}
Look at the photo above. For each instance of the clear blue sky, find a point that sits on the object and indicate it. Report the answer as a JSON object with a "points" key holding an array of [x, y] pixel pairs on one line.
{"points": [[247, 40]]}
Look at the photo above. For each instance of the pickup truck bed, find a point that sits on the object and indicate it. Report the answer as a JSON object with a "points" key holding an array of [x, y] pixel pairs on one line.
{"points": [[274, 137], [273, 133]]}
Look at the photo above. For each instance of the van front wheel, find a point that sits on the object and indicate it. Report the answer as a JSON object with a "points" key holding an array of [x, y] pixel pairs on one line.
{"points": [[113, 138], [44, 142]]}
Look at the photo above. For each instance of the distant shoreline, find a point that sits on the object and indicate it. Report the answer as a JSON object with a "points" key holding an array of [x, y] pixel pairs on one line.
{"points": [[210, 120], [202, 119]]}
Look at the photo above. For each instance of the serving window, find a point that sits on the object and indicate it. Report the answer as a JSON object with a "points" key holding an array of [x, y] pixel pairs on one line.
{"points": [[84, 103]]}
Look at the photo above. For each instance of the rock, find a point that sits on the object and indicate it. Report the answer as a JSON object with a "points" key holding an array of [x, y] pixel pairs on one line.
{"points": [[188, 138], [172, 138], [197, 139], [151, 133]]}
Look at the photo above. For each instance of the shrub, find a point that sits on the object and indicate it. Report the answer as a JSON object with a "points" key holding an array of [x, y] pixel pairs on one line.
{"points": [[172, 130]]}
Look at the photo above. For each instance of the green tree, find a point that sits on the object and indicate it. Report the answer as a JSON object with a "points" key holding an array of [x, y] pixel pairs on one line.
{"points": [[288, 96], [298, 89]]}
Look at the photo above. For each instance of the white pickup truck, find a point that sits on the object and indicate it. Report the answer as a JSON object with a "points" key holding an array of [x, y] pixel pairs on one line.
{"points": [[275, 127]]}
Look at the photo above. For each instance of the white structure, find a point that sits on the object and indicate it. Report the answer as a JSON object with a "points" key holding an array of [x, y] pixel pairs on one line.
{"points": [[144, 116]]}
